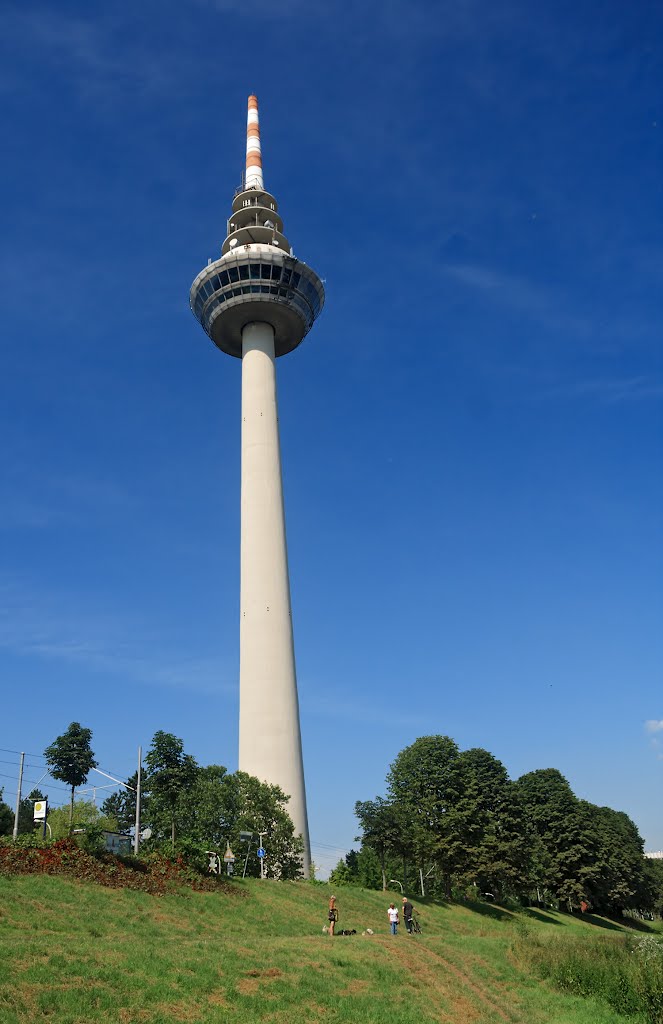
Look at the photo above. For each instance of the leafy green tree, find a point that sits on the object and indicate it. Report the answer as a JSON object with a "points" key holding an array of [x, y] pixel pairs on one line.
{"points": [[220, 805], [263, 808], [361, 867], [122, 805], [171, 775], [424, 785], [345, 872], [563, 851], [651, 893], [26, 822], [211, 808], [379, 824], [85, 814], [615, 878], [489, 836], [369, 869], [70, 759], [6, 817]]}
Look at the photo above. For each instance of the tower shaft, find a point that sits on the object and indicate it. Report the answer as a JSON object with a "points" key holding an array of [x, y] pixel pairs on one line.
{"points": [[269, 732]]}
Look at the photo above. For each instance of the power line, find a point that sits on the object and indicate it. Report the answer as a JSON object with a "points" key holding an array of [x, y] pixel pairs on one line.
{"points": [[326, 846], [118, 775], [4, 750], [35, 782]]}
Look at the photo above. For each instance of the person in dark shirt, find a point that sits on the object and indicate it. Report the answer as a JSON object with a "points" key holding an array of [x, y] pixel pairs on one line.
{"points": [[332, 915], [407, 914]]}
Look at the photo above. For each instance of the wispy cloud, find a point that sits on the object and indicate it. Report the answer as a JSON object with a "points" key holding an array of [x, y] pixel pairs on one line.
{"points": [[30, 500], [101, 53], [520, 295], [36, 625], [653, 725]]}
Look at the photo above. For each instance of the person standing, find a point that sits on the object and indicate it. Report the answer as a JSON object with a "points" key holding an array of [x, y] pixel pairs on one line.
{"points": [[392, 916], [332, 915], [407, 914]]}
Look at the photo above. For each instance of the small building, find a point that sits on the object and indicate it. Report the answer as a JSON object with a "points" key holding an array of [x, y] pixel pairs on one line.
{"points": [[117, 842]]}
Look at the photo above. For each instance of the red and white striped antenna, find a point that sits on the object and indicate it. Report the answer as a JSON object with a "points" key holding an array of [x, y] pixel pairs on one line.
{"points": [[253, 152]]}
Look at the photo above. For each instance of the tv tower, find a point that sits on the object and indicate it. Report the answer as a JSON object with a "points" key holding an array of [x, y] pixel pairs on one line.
{"points": [[257, 302]]}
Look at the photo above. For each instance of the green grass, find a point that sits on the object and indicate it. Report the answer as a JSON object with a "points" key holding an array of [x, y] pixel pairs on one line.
{"points": [[624, 971], [74, 953]]}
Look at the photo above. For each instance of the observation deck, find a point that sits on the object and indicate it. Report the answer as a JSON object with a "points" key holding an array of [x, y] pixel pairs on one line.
{"points": [[256, 283]]}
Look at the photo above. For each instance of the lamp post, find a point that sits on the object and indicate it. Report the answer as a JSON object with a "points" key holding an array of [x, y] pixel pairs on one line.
{"points": [[246, 837]]}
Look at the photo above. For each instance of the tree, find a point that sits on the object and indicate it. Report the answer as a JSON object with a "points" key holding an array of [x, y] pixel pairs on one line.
{"points": [[562, 845], [359, 868], [26, 823], [6, 817], [378, 826], [85, 813], [345, 872], [651, 898], [218, 806], [615, 878], [489, 835], [70, 759], [262, 807], [424, 785], [171, 775]]}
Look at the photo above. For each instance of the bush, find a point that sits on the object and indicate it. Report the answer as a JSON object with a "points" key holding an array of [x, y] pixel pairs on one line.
{"points": [[90, 837], [155, 874], [623, 971]]}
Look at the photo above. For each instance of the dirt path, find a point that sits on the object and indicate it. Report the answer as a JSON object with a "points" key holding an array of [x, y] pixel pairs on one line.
{"points": [[460, 996]]}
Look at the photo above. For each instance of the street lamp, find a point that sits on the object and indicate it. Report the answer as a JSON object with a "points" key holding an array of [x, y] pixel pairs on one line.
{"points": [[397, 883], [246, 837]]}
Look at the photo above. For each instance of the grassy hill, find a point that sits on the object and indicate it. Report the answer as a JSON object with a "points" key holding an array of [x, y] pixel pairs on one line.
{"points": [[79, 953]]}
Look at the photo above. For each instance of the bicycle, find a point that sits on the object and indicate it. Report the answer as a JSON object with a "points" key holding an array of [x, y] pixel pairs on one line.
{"points": [[416, 927]]}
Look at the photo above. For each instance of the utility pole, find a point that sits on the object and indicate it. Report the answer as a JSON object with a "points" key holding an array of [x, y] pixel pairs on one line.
{"points": [[18, 796], [138, 781]]}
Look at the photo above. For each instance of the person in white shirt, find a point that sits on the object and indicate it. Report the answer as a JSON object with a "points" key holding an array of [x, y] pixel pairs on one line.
{"points": [[392, 915]]}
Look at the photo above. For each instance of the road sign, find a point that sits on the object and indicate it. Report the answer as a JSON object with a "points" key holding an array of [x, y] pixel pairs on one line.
{"points": [[229, 856], [261, 852]]}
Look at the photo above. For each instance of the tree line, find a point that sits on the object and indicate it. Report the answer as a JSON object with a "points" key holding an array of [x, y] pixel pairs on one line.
{"points": [[187, 808], [455, 820]]}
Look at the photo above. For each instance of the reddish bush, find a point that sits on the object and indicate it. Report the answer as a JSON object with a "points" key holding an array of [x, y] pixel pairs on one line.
{"points": [[156, 874]]}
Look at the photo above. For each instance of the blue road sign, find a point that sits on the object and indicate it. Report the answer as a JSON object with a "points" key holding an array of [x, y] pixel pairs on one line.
{"points": [[261, 853]]}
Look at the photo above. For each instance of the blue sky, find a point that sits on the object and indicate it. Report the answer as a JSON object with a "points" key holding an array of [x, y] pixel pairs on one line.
{"points": [[471, 435]]}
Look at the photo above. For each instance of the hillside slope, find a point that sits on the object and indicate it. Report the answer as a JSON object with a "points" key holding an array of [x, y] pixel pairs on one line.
{"points": [[75, 953]]}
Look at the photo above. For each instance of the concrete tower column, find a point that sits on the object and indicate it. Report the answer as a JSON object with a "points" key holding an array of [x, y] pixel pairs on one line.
{"points": [[269, 732], [258, 302]]}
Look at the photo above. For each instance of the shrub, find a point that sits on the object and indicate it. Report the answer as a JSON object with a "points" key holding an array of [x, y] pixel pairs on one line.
{"points": [[622, 971], [154, 874]]}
